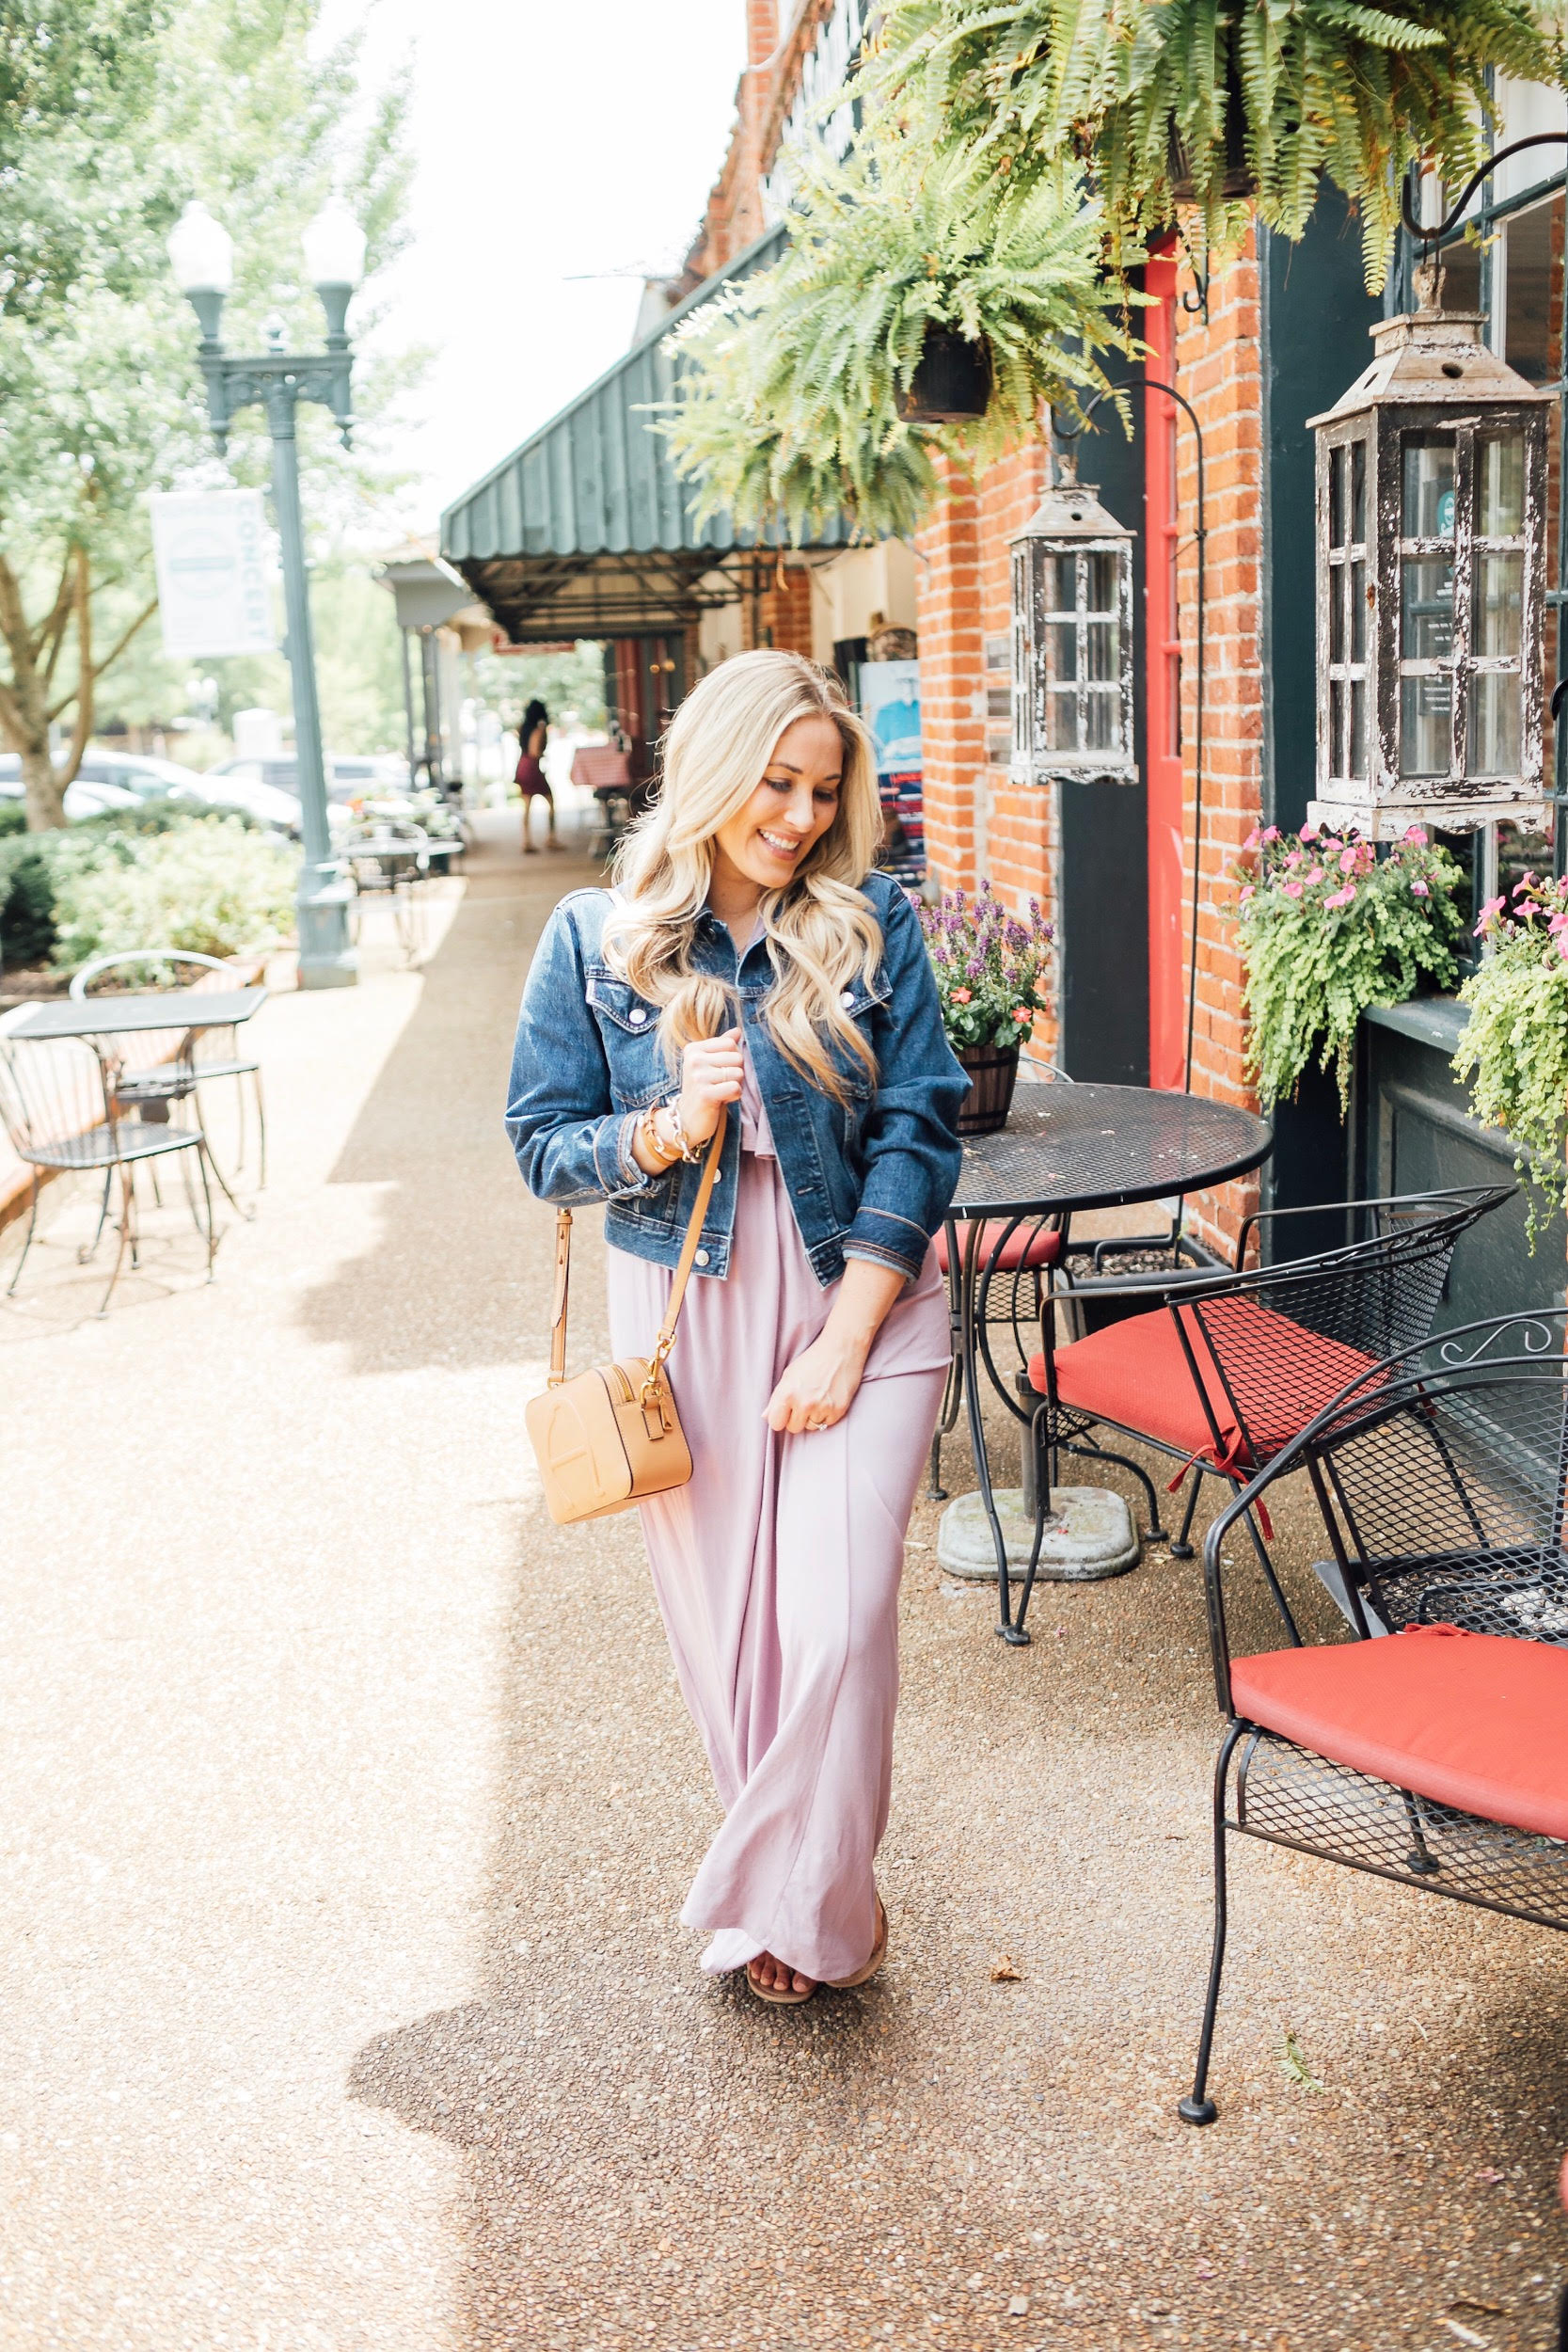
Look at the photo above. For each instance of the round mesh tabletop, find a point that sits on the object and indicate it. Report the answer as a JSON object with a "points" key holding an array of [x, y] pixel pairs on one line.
{"points": [[1095, 1147]]}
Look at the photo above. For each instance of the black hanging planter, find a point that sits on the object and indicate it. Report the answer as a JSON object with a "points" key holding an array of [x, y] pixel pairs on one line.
{"points": [[1237, 179], [951, 384]]}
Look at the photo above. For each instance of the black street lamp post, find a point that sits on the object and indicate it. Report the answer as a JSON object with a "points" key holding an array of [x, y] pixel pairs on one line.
{"points": [[278, 381]]}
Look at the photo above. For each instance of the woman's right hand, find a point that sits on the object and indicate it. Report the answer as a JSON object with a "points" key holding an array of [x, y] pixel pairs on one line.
{"points": [[711, 1073]]}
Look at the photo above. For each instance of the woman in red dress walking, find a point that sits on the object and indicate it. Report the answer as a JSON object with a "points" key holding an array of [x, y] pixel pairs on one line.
{"points": [[532, 735]]}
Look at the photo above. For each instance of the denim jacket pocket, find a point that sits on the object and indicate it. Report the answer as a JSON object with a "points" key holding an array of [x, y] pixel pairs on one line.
{"points": [[629, 1027]]}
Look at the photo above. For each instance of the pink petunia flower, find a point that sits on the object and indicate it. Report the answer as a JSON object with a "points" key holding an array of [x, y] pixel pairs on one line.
{"points": [[1294, 858], [1250, 892], [1308, 833], [1418, 834], [1347, 861], [1341, 897], [1254, 837], [1271, 833], [1293, 890], [1489, 915], [1419, 890], [1316, 875]]}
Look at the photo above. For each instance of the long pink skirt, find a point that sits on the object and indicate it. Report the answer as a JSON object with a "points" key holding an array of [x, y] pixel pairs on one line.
{"points": [[777, 1572]]}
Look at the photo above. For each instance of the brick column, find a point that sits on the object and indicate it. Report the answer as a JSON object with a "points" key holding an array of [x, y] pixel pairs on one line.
{"points": [[1219, 368], [952, 696]]}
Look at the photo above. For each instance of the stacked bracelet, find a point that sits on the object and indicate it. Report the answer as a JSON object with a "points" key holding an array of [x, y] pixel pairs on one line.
{"points": [[667, 1154]]}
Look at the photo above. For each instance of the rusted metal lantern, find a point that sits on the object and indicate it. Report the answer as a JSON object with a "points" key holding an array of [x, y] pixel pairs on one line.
{"points": [[1432, 554], [1072, 639]]}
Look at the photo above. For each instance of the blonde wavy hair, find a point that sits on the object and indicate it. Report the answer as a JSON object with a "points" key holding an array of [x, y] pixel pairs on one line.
{"points": [[820, 930]]}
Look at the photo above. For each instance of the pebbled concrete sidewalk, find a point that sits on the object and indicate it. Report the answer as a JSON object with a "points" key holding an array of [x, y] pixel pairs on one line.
{"points": [[349, 1805]]}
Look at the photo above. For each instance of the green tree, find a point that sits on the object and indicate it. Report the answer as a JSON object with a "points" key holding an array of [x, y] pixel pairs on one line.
{"points": [[114, 114]]}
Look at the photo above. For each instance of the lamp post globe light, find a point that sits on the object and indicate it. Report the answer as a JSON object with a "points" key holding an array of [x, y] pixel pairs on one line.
{"points": [[1432, 547], [202, 256]]}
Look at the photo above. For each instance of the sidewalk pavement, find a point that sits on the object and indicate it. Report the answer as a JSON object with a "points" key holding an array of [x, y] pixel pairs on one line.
{"points": [[349, 1808]]}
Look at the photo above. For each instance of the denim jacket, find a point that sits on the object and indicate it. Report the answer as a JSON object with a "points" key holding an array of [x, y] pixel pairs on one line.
{"points": [[871, 1178]]}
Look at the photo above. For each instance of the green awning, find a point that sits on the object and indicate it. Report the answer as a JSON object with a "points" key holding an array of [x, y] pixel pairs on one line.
{"points": [[586, 530]]}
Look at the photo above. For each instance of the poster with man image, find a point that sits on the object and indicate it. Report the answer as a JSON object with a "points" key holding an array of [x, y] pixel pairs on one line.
{"points": [[890, 705]]}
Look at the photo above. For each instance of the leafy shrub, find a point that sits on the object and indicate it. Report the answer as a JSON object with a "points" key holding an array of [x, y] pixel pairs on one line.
{"points": [[214, 888], [1326, 928], [13, 818], [229, 877], [1516, 1038]]}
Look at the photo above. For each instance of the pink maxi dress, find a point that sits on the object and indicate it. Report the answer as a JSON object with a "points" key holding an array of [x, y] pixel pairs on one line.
{"points": [[777, 1572]]}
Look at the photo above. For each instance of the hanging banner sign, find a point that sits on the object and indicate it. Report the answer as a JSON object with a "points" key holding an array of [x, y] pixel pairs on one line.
{"points": [[214, 594]]}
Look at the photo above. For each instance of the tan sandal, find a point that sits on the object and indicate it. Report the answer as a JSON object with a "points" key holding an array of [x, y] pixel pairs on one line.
{"points": [[879, 1953], [771, 1993]]}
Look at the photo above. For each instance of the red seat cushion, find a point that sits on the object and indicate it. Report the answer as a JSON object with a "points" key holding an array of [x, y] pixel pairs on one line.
{"points": [[1028, 1246], [1137, 1373], [1469, 1720]]}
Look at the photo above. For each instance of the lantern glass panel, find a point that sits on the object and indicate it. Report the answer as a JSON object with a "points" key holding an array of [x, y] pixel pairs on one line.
{"points": [[1061, 583], [1500, 489], [1101, 665], [1337, 498], [1426, 726], [1498, 628], [1358, 492], [1358, 613], [1104, 712], [1061, 732], [1061, 650], [1428, 503], [1337, 612], [1357, 763], [1426, 603], [1101, 595], [1496, 725]]}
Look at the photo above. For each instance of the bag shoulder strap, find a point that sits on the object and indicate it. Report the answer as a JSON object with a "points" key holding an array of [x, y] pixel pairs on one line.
{"points": [[683, 1270]]}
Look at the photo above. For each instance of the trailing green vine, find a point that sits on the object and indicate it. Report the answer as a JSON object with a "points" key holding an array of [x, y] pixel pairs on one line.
{"points": [[1516, 1038], [1326, 928]]}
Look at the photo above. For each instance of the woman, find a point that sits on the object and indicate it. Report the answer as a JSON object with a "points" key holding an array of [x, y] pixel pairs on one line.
{"points": [[532, 735], [750, 963]]}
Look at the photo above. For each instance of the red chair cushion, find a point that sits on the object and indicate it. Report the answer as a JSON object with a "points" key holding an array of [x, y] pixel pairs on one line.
{"points": [[1469, 1720], [1028, 1246], [1137, 1373]]}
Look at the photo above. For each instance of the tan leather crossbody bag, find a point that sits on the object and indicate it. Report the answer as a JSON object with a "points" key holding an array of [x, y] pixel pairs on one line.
{"points": [[613, 1435]]}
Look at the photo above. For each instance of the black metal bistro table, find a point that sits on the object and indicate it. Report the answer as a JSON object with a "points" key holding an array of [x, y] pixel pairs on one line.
{"points": [[1067, 1147], [188, 1009]]}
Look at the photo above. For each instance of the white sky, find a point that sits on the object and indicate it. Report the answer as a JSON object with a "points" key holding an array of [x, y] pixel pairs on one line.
{"points": [[556, 144]]}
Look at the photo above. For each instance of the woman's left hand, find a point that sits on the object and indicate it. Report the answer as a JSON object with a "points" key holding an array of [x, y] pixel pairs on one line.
{"points": [[818, 1388]]}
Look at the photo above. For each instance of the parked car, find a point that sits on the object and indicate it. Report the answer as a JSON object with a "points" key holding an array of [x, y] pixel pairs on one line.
{"points": [[101, 786], [347, 779]]}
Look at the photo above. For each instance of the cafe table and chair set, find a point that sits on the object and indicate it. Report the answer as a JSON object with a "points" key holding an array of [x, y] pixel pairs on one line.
{"points": [[1429, 1743]]}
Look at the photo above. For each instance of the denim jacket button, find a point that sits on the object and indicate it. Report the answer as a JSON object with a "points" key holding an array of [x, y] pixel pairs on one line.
{"points": [[847, 999], [638, 1016], [701, 1256]]}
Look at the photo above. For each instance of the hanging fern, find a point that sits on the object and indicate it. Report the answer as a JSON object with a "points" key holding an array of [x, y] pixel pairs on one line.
{"points": [[1326, 86], [786, 386]]}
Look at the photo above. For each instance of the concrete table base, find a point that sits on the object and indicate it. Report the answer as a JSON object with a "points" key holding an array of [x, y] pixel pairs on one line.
{"points": [[1090, 1534]]}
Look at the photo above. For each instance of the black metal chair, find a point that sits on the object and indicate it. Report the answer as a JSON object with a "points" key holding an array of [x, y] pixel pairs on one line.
{"points": [[1435, 1753], [1219, 1372], [61, 1113], [161, 1066], [389, 857]]}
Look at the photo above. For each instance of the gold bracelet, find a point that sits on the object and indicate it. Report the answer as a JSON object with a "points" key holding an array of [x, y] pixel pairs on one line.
{"points": [[666, 1154]]}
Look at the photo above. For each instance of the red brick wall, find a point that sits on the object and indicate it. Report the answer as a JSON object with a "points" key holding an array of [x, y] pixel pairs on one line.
{"points": [[952, 702], [1218, 366]]}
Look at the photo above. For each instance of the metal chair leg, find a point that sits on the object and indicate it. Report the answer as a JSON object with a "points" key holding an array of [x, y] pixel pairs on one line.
{"points": [[90, 1250], [1197, 2107], [1283, 1606], [27, 1240], [951, 1399], [1134, 1469], [201, 1154], [261, 1133], [1181, 1548], [127, 1212]]}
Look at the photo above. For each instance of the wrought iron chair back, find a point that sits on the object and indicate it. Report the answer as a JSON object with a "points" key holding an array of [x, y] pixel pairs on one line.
{"points": [[62, 1114], [1441, 1476]]}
